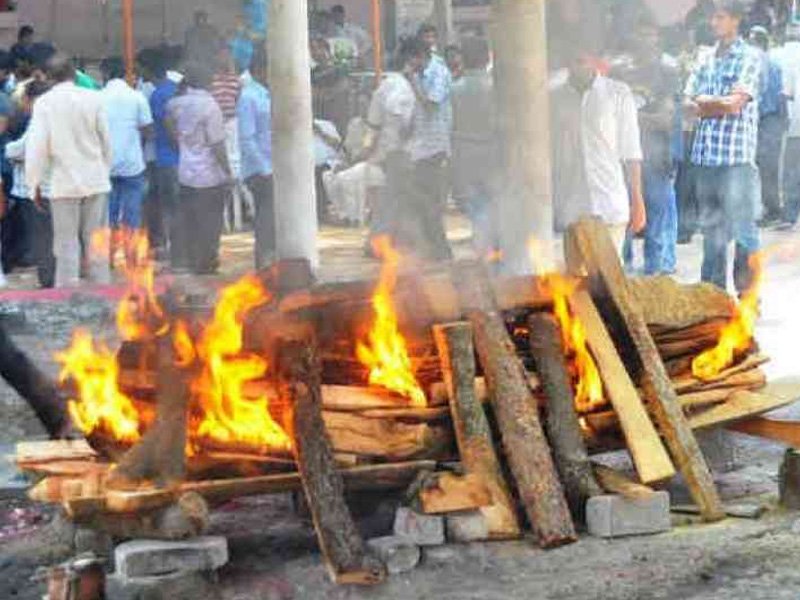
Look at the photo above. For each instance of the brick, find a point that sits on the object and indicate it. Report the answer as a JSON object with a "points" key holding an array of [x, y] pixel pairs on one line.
{"points": [[613, 516], [162, 587], [399, 555], [144, 558], [466, 527], [422, 530], [789, 480]]}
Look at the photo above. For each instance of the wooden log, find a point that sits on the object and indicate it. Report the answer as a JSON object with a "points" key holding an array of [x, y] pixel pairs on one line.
{"points": [[525, 444], [410, 414], [160, 456], [589, 250], [473, 435], [731, 377], [563, 429], [649, 456], [449, 493], [695, 400], [439, 395], [341, 545], [614, 482], [777, 430], [739, 406]]}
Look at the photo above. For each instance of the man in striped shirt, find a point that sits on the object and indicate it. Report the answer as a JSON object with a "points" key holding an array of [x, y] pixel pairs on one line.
{"points": [[722, 93]]}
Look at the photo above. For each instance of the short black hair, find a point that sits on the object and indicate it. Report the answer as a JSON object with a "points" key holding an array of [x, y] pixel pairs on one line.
{"points": [[735, 8], [338, 8], [426, 28], [24, 31], [407, 49], [36, 88], [198, 75], [113, 68]]}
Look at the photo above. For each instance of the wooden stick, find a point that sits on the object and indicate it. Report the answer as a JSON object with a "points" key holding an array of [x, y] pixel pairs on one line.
{"points": [[749, 378], [439, 394], [614, 482], [341, 545], [644, 444], [474, 438], [785, 432], [589, 249], [517, 415], [563, 429], [740, 405]]}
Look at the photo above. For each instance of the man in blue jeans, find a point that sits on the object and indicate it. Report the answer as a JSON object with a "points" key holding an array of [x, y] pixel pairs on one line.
{"points": [[722, 93], [129, 119], [654, 85]]}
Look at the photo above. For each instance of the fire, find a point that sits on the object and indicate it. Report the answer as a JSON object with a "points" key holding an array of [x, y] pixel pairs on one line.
{"points": [[385, 352], [139, 314], [227, 416], [737, 335], [99, 403], [589, 387]]}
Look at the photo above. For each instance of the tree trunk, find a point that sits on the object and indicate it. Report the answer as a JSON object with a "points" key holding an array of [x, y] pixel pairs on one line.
{"points": [[341, 545], [563, 428], [472, 427]]}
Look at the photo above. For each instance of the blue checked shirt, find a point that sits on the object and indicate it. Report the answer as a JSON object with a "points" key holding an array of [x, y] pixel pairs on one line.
{"points": [[730, 140]]}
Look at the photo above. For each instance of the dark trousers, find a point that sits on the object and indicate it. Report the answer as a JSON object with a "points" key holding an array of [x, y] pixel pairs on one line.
{"points": [[43, 244], [791, 180], [428, 204], [688, 210], [198, 228], [18, 234], [770, 147], [160, 204], [264, 199]]}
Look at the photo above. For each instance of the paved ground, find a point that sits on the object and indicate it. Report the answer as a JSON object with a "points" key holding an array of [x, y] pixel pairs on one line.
{"points": [[273, 551]]}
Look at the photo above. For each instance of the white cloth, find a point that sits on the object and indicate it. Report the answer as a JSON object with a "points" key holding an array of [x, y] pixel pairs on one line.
{"points": [[391, 112], [324, 153], [790, 61], [609, 136], [128, 112], [15, 153], [147, 88], [347, 190], [69, 141]]}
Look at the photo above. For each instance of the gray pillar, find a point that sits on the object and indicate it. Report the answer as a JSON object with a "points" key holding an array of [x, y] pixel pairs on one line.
{"points": [[292, 137], [525, 205]]}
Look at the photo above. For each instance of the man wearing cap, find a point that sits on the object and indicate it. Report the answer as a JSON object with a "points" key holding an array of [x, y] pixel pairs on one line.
{"points": [[722, 93]]}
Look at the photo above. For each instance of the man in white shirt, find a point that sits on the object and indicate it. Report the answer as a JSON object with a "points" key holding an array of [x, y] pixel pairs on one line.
{"points": [[129, 119], [597, 166], [351, 31], [791, 174], [69, 142]]}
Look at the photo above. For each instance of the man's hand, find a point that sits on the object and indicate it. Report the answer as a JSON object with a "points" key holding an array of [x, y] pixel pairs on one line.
{"points": [[37, 200], [638, 214]]}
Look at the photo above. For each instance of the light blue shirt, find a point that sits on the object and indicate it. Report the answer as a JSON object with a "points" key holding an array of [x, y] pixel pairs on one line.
{"points": [[127, 112], [254, 113], [433, 120]]}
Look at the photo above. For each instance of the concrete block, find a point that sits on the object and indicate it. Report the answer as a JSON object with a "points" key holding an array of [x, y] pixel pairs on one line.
{"points": [[88, 540], [611, 516], [397, 554], [175, 586], [466, 527], [144, 558], [440, 555], [422, 530], [789, 480]]}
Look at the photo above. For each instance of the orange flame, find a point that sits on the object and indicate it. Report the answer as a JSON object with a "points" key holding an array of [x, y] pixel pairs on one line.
{"points": [[589, 386], [737, 335], [100, 404], [227, 415], [139, 314], [385, 352]]}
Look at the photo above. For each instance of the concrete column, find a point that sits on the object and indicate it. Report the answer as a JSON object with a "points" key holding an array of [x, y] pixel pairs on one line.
{"points": [[525, 204], [292, 137]]}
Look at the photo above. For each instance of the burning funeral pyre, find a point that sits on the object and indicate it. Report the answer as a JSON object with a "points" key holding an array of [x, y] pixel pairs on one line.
{"points": [[280, 385]]}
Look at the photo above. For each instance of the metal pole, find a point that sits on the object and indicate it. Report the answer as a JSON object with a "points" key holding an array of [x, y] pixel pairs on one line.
{"points": [[128, 44], [377, 40]]}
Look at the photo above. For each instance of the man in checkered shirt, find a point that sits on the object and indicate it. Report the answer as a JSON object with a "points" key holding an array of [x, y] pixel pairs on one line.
{"points": [[722, 93]]}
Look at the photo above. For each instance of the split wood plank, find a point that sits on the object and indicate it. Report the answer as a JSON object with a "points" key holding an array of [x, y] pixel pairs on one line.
{"points": [[650, 458], [562, 425], [342, 547], [439, 394], [473, 435], [740, 405], [517, 413], [589, 250], [449, 493], [778, 430], [46, 450], [614, 482]]}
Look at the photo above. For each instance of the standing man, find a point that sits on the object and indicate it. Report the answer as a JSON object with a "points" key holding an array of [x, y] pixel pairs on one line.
{"points": [[655, 85], [791, 174], [255, 141], [722, 93], [597, 166], [771, 127], [430, 147], [69, 142], [165, 178], [129, 120], [196, 124], [351, 31]]}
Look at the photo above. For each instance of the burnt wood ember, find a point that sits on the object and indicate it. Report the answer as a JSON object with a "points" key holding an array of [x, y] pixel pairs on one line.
{"points": [[524, 441], [563, 428], [342, 547], [474, 437], [589, 250]]}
